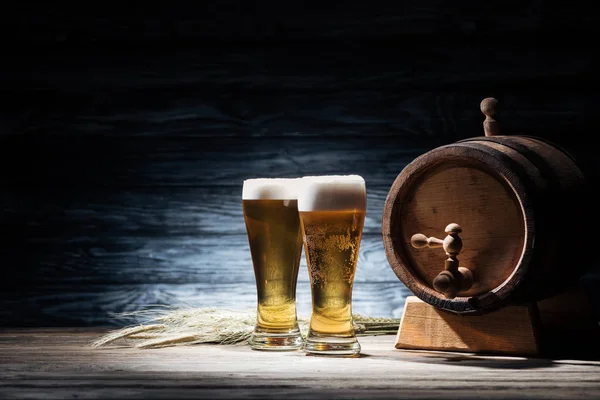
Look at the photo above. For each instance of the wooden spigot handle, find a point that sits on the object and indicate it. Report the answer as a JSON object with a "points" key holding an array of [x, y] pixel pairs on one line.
{"points": [[419, 241], [453, 279]]}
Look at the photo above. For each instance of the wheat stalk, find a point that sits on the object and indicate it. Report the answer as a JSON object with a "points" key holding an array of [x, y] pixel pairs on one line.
{"points": [[168, 326]]}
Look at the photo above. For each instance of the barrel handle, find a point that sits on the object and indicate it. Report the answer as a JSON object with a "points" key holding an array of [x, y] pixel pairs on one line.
{"points": [[489, 107], [452, 279]]}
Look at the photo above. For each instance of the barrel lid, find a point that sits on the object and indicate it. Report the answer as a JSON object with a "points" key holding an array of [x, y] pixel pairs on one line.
{"points": [[475, 197]]}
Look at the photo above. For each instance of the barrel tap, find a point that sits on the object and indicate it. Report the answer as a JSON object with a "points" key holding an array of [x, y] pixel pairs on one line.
{"points": [[453, 279]]}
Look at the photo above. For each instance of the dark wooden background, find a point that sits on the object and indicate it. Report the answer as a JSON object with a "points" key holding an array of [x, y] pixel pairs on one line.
{"points": [[125, 134]]}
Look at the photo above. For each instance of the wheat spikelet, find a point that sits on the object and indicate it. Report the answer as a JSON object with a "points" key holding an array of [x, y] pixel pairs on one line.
{"points": [[168, 326], [126, 332], [167, 340]]}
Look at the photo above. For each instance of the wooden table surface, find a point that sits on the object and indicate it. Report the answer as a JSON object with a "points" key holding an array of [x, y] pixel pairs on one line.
{"points": [[59, 363]]}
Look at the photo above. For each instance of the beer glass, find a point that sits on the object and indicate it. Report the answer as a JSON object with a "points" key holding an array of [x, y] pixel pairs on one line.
{"points": [[332, 213], [270, 209]]}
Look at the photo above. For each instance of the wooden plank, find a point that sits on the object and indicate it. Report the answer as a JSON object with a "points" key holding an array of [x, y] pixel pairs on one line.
{"points": [[310, 90], [271, 21], [80, 280], [100, 244], [59, 363], [158, 162], [162, 259], [56, 107], [390, 67], [90, 163], [46, 215], [319, 89], [95, 305]]}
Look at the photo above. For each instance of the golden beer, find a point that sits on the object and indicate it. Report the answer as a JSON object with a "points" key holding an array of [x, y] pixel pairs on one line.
{"points": [[275, 241], [332, 216]]}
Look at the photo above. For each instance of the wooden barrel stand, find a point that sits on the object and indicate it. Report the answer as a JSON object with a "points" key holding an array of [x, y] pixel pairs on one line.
{"points": [[564, 326]]}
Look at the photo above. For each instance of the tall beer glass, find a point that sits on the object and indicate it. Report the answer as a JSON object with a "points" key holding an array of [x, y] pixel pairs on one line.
{"points": [[272, 223], [332, 213]]}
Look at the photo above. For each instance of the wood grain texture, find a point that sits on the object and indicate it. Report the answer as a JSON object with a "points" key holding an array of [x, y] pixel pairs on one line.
{"points": [[82, 254], [89, 163], [99, 212], [126, 135], [147, 212], [160, 221], [311, 90], [485, 208], [160, 259], [508, 331], [68, 304], [58, 364], [270, 21], [539, 198]]}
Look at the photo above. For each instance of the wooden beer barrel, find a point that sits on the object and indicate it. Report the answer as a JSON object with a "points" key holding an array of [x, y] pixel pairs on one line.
{"points": [[474, 225]]}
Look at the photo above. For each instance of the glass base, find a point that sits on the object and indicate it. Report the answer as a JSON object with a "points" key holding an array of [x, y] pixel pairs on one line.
{"points": [[276, 341], [332, 345]]}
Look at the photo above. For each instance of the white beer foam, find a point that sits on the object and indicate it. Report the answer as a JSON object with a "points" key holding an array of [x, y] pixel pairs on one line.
{"points": [[270, 189], [332, 192]]}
